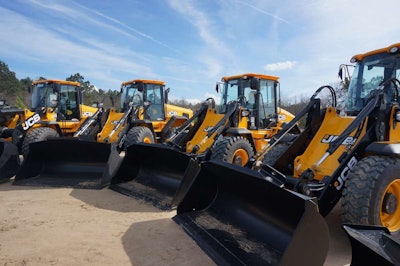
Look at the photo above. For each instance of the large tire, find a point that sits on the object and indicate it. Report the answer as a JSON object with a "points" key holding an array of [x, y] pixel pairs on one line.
{"points": [[36, 135], [273, 155], [235, 150], [371, 194], [139, 134]]}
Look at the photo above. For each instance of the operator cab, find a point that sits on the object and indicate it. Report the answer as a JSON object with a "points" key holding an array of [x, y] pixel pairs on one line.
{"points": [[255, 93], [372, 70], [62, 97], [145, 92]]}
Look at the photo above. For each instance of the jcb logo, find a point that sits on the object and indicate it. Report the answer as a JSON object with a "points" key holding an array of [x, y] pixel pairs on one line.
{"points": [[172, 113], [331, 138], [87, 113], [345, 173], [30, 121]]}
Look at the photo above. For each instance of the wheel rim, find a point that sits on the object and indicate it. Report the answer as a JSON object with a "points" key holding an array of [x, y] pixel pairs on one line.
{"points": [[390, 207], [147, 140], [240, 157]]}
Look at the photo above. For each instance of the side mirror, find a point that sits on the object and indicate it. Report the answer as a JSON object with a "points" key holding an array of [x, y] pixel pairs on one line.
{"points": [[344, 67], [80, 96], [166, 92], [255, 84], [218, 86], [140, 87]]}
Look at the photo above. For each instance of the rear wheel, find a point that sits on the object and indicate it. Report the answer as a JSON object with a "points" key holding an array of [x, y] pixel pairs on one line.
{"points": [[138, 135], [36, 135], [235, 150], [275, 152], [371, 195]]}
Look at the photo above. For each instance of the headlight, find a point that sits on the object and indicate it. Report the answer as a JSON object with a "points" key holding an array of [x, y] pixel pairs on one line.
{"points": [[394, 49]]}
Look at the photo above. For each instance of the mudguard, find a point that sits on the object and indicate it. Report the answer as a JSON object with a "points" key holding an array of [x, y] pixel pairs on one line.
{"points": [[239, 218], [69, 162]]}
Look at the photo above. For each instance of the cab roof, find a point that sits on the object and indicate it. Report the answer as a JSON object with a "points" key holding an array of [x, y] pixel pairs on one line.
{"points": [[65, 82], [261, 76], [360, 57], [147, 81]]}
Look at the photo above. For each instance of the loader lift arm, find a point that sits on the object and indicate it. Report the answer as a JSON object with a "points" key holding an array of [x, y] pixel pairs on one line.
{"points": [[254, 163]]}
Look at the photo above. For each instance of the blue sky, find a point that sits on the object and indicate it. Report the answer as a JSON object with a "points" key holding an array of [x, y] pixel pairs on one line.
{"points": [[192, 44]]}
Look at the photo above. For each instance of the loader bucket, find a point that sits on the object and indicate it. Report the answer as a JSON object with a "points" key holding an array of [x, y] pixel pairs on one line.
{"points": [[9, 160], [152, 172], [372, 245], [69, 162], [238, 218]]}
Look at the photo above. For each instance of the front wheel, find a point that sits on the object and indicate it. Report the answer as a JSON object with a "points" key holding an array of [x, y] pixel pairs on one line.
{"points": [[139, 134], [371, 195], [36, 135], [235, 150]]}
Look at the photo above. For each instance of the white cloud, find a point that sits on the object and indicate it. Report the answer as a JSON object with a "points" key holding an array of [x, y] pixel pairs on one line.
{"points": [[280, 66]]}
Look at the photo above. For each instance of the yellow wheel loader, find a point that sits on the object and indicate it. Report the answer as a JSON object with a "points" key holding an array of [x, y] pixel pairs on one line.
{"points": [[352, 156], [56, 110], [247, 118], [87, 162]]}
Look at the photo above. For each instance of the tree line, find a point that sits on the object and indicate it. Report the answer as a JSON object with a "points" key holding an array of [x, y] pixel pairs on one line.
{"points": [[15, 93]]}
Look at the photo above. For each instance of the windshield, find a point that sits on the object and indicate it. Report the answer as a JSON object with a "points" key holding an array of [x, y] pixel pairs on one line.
{"points": [[234, 90], [368, 75], [239, 89], [44, 95], [131, 92], [154, 94]]}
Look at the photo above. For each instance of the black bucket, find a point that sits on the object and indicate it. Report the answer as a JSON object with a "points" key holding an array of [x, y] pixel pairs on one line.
{"points": [[152, 172], [372, 245], [238, 218], [9, 160], [69, 162]]}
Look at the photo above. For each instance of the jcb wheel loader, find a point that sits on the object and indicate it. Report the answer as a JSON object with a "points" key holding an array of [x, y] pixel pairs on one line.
{"points": [[353, 157], [56, 110], [247, 117], [88, 162]]}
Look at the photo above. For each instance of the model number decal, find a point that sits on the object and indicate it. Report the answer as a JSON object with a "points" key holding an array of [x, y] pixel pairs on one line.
{"points": [[30, 121]]}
